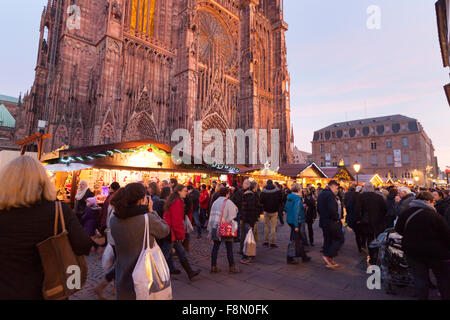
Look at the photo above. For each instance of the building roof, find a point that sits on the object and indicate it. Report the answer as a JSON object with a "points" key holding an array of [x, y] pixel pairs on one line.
{"points": [[6, 119], [370, 127], [332, 172], [292, 170], [8, 99], [369, 121]]}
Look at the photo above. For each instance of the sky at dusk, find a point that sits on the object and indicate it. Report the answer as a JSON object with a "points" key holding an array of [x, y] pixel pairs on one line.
{"points": [[340, 70]]}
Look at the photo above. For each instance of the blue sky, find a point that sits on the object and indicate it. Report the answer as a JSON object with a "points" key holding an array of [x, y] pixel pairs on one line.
{"points": [[340, 70]]}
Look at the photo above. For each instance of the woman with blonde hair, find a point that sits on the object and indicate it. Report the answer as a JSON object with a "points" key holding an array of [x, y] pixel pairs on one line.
{"points": [[27, 214]]}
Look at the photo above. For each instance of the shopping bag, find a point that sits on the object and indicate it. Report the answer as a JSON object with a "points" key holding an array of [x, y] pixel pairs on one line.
{"points": [[250, 245], [108, 258], [291, 249], [151, 275], [57, 257], [188, 228]]}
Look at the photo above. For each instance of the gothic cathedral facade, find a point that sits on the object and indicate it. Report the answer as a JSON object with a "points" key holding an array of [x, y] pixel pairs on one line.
{"points": [[123, 70]]}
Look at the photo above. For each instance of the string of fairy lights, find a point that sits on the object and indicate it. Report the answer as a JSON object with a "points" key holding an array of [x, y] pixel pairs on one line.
{"points": [[148, 148]]}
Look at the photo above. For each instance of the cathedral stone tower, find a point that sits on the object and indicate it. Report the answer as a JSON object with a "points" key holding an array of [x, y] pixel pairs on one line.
{"points": [[121, 70]]}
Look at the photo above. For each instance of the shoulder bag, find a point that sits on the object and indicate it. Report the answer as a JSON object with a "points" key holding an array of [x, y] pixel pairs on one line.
{"points": [[64, 272]]}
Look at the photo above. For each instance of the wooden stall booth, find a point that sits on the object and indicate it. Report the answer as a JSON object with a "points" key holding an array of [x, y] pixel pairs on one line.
{"points": [[125, 162]]}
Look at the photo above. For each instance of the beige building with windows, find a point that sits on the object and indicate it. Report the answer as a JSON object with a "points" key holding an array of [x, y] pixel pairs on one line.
{"points": [[395, 145]]}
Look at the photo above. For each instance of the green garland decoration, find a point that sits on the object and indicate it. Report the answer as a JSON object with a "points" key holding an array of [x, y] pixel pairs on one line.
{"points": [[148, 147]]}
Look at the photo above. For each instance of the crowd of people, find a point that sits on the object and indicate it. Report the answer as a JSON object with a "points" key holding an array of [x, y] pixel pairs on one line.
{"points": [[176, 212]]}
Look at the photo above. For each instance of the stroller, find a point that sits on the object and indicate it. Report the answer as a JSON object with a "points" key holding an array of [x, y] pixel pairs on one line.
{"points": [[395, 271]]}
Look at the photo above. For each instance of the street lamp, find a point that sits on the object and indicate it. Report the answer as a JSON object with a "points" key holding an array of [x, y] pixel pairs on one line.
{"points": [[357, 168]]}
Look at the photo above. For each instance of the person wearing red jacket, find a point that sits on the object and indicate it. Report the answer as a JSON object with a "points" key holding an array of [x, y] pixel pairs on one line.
{"points": [[204, 204], [174, 217]]}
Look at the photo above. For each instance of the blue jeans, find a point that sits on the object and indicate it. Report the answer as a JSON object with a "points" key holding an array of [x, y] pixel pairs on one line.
{"points": [[203, 213], [197, 220], [167, 251]]}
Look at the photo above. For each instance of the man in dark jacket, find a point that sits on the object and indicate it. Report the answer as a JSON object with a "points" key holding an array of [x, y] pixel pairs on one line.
{"points": [[250, 211], [283, 202], [236, 198], [402, 200], [426, 243], [373, 215], [330, 223], [271, 201]]}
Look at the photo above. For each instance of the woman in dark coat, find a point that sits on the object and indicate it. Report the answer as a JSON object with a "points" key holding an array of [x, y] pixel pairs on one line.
{"points": [[390, 204], [311, 214], [354, 220], [426, 243], [441, 203], [127, 228], [27, 216], [373, 211], [251, 210]]}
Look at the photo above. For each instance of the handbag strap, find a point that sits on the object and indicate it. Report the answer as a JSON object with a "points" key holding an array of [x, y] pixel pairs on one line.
{"points": [[223, 208], [146, 238], [409, 219], [59, 213]]}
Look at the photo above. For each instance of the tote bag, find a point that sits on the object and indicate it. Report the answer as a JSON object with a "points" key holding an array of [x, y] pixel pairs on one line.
{"points": [[250, 245], [188, 228], [151, 275], [58, 258]]}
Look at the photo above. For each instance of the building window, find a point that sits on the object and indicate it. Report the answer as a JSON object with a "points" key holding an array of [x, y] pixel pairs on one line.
{"points": [[322, 148], [360, 159], [335, 164], [374, 160], [373, 146], [406, 159], [346, 146], [333, 147], [359, 146], [388, 144], [389, 159], [333, 135], [322, 164], [405, 142], [346, 161]]}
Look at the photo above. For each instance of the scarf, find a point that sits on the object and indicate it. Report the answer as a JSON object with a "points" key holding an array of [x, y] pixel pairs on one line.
{"points": [[80, 194]]}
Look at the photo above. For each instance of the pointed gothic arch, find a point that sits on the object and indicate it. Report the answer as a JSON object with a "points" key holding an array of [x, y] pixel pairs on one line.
{"points": [[140, 127], [78, 136], [61, 136]]}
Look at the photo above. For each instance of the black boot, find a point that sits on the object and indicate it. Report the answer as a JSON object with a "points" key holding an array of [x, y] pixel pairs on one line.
{"points": [[187, 267]]}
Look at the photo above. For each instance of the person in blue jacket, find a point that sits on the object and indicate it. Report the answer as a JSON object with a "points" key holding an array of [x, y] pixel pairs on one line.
{"points": [[295, 217]]}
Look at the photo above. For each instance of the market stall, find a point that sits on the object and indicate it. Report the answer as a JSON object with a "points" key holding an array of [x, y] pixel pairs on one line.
{"points": [[312, 174], [127, 162], [261, 174], [375, 179], [341, 174]]}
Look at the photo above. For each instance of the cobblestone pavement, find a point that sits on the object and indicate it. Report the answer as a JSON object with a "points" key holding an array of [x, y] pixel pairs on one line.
{"points": [[268, 278]]}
